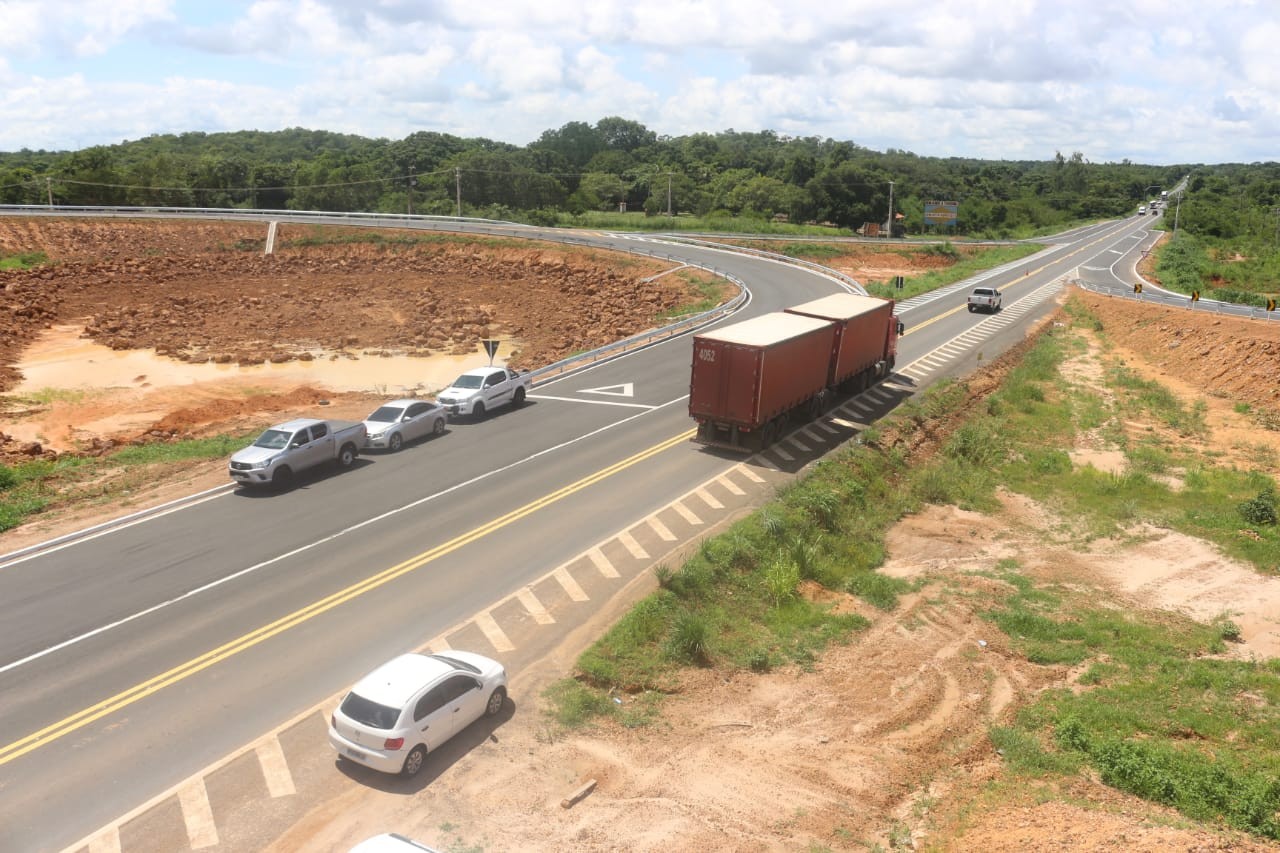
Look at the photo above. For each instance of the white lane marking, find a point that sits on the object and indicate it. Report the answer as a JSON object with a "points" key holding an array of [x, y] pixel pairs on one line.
{"points": [[197, 814], [534, 606], [795, 440], [275, 769], [811, 433], [591, 402], [629, 542], [626, 389], [708, 498], [438, 644], [730, 486], [569, 585], [786, 457], [485, 622], [248, 570], [661, 529], [107, 842], [602, 563], [686, 513], [846, 423], [828, 427], [751, 475]]}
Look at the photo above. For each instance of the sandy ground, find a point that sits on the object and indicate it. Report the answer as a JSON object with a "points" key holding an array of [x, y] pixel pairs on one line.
{"points": [[881, 742]]}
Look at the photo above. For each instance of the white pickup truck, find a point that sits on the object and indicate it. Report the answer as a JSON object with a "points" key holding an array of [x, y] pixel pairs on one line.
{"points": [[984, 299], [484, 389], [287, 449]]}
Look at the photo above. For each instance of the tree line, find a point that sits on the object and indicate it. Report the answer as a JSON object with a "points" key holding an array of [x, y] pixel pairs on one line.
{"points": [[613, 164]]}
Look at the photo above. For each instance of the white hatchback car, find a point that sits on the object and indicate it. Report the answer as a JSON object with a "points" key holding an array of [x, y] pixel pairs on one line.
{"points": [[411, 705], [398, 422]]}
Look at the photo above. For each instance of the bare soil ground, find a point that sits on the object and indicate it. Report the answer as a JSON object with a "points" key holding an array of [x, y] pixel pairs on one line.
{"points": [[883, 741]]}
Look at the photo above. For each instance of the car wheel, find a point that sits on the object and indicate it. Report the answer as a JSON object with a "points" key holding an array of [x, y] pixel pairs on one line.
{"points": [[282, 478], [413, 762], [437, 428], [517, 399], [477, 411], [347, 456], [496, 700], [395, 442]]}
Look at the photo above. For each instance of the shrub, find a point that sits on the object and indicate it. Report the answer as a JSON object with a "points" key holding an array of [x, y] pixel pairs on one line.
{"points": [[1261, 509], [690, 639]]}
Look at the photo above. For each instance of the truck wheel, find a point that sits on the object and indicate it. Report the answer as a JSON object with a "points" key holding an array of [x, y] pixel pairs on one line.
{"points": [[517, 399], [970, 309], [347, 455], [395, 443], [282, 479], [477, 411]]}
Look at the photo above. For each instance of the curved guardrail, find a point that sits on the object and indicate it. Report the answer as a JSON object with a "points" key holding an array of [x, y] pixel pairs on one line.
{"points": [[1177, 301]]}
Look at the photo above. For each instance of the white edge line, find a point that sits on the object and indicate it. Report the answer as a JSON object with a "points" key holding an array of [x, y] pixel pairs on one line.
{"points": [[591, 402], [332, 536]]}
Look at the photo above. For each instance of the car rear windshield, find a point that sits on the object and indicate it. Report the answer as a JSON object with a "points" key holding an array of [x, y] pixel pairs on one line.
{"points": [[386, 415], [457, 664], [370, 713]]}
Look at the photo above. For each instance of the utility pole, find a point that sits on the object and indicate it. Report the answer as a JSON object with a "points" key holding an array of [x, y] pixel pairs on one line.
{"points": [[48, 185], [457, 180], [668, 195], [891, 210]]}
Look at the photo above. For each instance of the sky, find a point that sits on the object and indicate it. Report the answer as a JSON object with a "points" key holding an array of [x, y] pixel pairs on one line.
{"points": [[1150, 81]]}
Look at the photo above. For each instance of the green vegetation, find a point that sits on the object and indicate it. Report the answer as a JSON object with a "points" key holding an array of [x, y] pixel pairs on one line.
{"points": [[965, 266], [581, 174], [1228, 233], [1162, 714], [31, 487], [23, 261]]}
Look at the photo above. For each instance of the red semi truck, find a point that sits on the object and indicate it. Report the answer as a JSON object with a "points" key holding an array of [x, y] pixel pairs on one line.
{"points": [[749, 378]]}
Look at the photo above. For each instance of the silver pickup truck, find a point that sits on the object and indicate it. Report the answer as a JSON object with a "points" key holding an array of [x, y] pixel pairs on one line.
{"points": [[984, 299], [287, 449]]}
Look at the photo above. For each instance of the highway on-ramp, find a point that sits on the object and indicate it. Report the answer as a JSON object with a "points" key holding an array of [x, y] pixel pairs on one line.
{"points": [[132, 658]]}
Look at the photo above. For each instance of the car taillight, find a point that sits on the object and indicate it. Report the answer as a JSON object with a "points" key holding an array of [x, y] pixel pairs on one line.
{"points": [[393, 743]]}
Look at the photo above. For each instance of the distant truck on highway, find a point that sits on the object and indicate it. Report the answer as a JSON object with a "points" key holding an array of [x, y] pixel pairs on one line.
{"points": [[285, 450], [749, 378], [484, 389], [984, 299]]}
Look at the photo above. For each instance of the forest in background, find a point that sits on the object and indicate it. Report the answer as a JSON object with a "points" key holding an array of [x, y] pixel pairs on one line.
{"points": [[573, 175]]}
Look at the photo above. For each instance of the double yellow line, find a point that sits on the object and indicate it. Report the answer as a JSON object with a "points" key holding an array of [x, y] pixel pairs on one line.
{"points": [[79, 720]]}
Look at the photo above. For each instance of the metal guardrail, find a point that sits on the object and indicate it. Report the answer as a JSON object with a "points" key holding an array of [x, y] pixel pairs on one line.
{"points": [[1210, 306], [563, 367], [819, 269]]}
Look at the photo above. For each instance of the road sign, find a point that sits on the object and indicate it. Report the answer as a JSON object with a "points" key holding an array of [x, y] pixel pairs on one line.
{"points": [[1195, 296], [1271, 305], [1137, 287], [941, 212], [899, 281], [491, 347]]}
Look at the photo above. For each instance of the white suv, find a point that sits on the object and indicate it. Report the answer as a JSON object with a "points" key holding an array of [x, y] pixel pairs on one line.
{"points": [[411, 705]]}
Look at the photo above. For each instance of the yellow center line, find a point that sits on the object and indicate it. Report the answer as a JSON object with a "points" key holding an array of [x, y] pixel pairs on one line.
{"points": [[1040, 268], [247, 641]]}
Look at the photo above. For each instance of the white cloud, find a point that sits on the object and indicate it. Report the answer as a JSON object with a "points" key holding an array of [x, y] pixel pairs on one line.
{"points": [[1003, 78]]}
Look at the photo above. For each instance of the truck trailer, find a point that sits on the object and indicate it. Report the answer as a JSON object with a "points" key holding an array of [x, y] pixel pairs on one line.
{"points": [[749, 378], [866, 338]]}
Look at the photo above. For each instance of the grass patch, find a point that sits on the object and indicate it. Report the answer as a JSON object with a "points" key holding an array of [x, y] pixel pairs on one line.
{"points": [[967, 264], [1159, 720], [29, 488], [23, 261]]}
